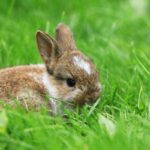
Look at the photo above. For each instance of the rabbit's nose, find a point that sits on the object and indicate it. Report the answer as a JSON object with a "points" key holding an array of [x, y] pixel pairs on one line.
{"points": [[90, 102], [92, 98]]}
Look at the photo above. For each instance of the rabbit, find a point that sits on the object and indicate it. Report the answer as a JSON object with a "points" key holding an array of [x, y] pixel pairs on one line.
{"points": [[67, 75]]}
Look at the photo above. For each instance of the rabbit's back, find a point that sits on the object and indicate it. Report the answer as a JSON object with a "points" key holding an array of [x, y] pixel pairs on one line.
{"points": [[23, 82]]}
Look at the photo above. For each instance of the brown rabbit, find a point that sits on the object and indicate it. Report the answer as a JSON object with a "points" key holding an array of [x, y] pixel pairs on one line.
{"points": [[67, 75]]}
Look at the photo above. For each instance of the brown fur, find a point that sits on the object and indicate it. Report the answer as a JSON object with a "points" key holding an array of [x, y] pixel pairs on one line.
{"points": [[17, 83], [26, 82]]}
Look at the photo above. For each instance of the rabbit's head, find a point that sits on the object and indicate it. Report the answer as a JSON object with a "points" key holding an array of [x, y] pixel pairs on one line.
{"points": [[71, 73]]}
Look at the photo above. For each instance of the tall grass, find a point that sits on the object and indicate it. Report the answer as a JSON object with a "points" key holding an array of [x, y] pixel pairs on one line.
{"points": [[112, 33]]}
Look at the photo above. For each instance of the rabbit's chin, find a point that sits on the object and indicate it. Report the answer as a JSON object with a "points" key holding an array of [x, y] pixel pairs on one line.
{"points": [[59, 105]]}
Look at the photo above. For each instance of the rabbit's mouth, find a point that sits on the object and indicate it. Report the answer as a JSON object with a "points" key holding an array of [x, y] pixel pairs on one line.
{"points": [[72, 100], [89, 97]]}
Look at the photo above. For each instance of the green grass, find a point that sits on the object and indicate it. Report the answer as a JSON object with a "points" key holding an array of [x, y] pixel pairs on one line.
{"points": [[116, 36]]}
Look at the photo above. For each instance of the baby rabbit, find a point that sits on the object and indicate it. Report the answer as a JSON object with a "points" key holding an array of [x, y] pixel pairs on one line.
{"points": [[67, 75]]}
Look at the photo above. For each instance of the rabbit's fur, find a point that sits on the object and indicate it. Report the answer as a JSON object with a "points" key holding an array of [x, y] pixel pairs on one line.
{"points": [[68, 75]]}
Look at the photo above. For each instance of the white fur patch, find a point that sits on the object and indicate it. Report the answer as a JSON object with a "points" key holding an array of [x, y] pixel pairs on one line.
{"points": [[41, 65], [52, 91], [82, 64], [37, 65], [100, 87]]}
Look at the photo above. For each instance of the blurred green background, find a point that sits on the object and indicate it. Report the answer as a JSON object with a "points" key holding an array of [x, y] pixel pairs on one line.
{"points": [[116, 35]]}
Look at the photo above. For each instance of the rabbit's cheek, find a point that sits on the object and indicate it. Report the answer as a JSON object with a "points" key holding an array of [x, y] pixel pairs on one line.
{"points": [[72, 95], [50, 85]]}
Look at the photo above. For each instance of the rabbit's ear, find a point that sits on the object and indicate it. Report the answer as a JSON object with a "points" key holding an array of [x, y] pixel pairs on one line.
{"points": [[47, 46], [64, 37]]}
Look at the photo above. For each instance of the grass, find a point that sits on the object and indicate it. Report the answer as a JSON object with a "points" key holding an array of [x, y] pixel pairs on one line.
{"points": [[115, 34]]}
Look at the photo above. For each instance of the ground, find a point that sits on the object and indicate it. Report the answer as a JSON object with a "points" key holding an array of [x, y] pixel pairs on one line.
{"points": [[115, 34]]}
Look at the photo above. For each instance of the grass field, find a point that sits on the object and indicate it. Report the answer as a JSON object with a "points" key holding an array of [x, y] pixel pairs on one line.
{"points": [[116, 35]]}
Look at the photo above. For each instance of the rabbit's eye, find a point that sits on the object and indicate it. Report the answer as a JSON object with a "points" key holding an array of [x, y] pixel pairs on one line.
{"points": [[71, 82]]}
